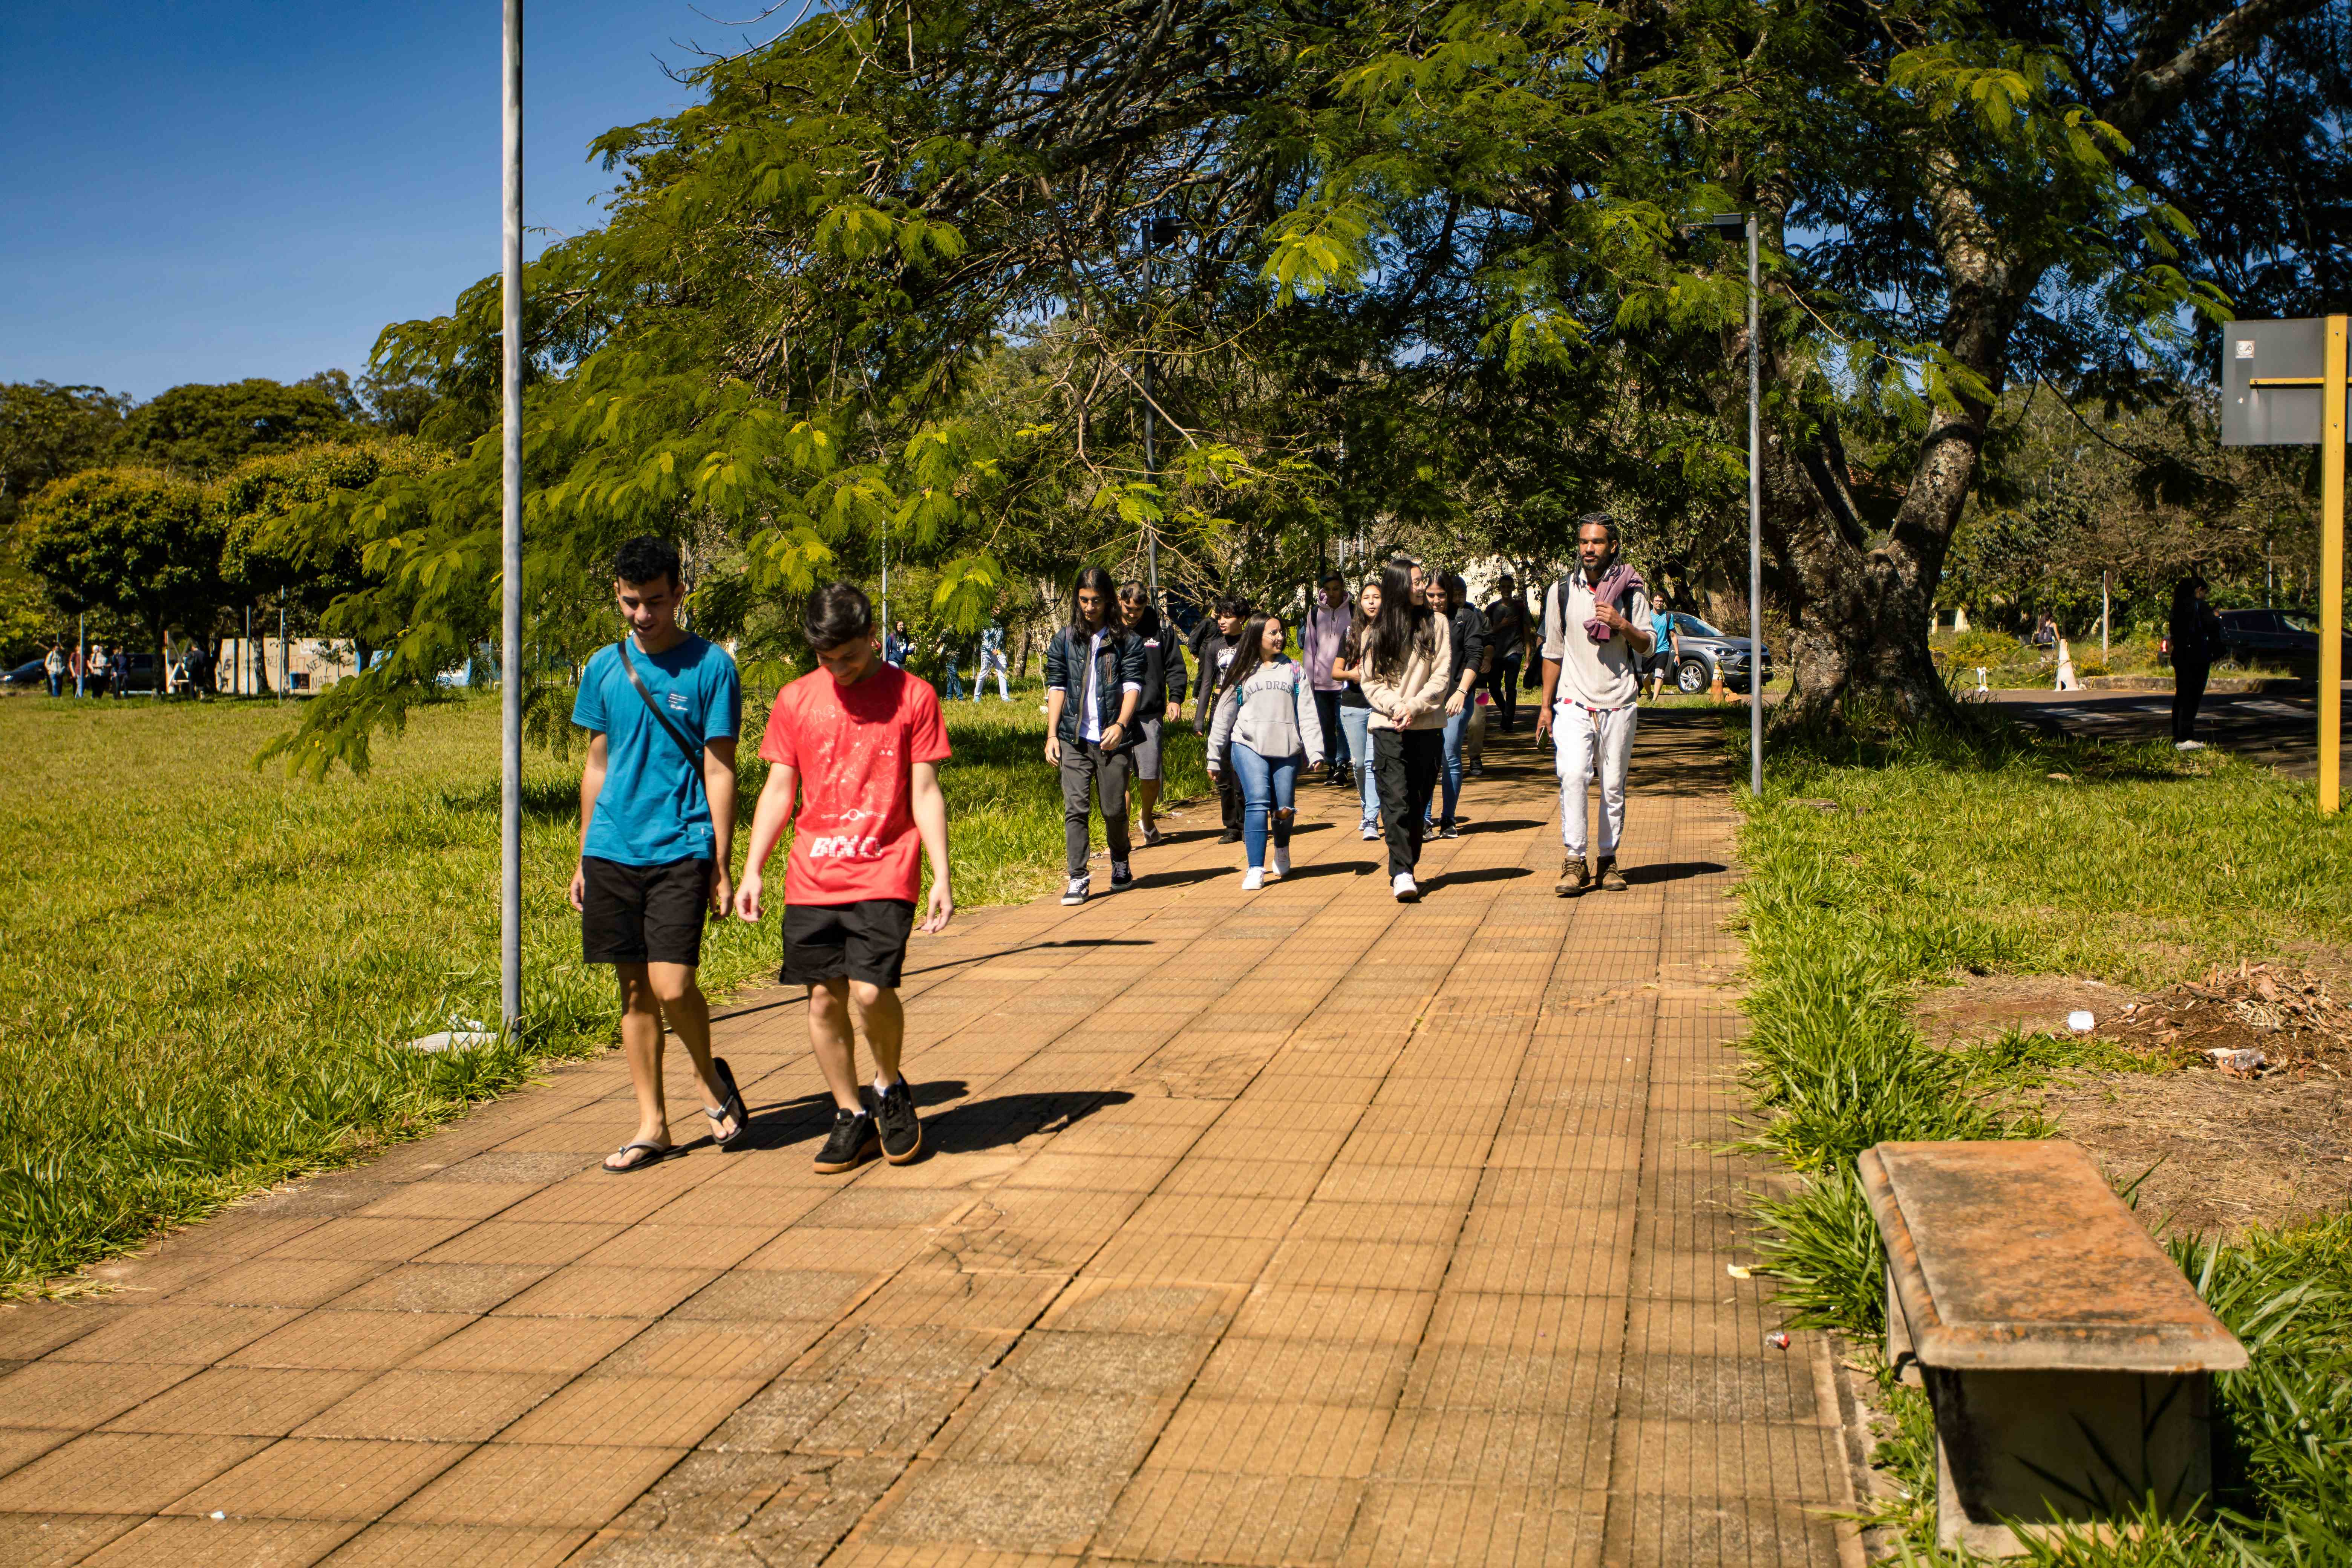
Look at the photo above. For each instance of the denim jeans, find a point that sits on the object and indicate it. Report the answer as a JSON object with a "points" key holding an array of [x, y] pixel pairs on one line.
{"points": [[1450, 774], [1270, 789], [1355, 723], [1340, 746]]}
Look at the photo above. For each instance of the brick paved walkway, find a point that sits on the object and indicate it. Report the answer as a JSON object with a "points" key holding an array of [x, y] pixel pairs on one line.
{"points": [[1303, 1228]]}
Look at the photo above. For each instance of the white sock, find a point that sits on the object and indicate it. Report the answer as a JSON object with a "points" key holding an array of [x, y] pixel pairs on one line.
{"points": [[882, 1086]]}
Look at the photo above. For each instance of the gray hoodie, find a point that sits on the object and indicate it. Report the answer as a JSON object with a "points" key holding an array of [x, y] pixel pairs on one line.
{"points": [[1272, 712]]}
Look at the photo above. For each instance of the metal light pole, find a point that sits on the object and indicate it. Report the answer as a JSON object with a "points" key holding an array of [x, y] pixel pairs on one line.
{"points": [[511, 563], [1746, 222], [1158, 228]]}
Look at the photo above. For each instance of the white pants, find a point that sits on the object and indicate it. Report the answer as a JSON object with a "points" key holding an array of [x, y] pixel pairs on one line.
{"points": [[1582, 738], [990, 659]]}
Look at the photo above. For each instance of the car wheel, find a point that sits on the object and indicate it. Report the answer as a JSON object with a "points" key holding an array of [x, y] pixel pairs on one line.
{"points": [[1690, 675]]}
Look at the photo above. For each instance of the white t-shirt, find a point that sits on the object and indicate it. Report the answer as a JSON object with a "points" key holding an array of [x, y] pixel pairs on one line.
{"points": [[1090, 716], [1597, 674]]}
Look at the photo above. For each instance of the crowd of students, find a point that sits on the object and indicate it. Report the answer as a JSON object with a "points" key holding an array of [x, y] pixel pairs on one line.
{"points": [[1381, 700]]}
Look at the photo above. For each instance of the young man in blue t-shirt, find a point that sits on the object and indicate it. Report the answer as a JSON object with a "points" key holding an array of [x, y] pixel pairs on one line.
{"points": [[656, 834]]}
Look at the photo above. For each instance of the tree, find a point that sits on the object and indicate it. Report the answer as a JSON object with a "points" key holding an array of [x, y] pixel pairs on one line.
{"points": [[48, 431], [131, 540], [202, 431]]}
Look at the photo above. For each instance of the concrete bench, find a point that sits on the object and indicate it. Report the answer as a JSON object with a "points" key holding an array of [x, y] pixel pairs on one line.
{"points": [[2069, 1362]]}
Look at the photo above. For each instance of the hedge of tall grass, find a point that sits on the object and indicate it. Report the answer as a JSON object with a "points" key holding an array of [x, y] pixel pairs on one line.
{"points": [[1881, 864], [206, 972]]}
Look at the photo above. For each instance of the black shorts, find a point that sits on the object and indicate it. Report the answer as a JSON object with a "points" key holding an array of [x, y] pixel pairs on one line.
{"points": [[644, 914], [865, 941]]}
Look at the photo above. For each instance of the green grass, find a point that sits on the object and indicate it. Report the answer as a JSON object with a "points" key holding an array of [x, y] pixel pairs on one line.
{"points": [[1883, 864], [210, 969]]}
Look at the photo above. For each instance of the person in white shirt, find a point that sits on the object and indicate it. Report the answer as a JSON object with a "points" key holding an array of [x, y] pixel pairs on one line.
{"points": [[1094, 681], [1593, 651]]}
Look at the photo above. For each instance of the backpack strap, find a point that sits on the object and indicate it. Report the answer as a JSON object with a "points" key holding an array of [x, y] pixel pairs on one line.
{"points": [[629, 668]]}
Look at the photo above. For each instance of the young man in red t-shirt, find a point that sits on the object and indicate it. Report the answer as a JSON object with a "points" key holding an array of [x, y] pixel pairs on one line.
{"points": [[861, 742]]}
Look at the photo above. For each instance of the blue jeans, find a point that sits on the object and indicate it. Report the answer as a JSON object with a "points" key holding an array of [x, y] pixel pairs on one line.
{"points": [[1450, 776], [1270, 788], [1355, 723]]}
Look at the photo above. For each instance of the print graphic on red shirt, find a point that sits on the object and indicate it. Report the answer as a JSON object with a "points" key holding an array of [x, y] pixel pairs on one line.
{"points": [[855, 747]]}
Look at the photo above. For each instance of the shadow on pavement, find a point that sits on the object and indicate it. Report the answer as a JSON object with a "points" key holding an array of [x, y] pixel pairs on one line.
{"points": [[1484, 874], [1669, 871], [996, 1124]]}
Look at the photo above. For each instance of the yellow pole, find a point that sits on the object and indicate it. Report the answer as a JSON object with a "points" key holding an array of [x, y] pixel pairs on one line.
{"points": [[2331, 567]]}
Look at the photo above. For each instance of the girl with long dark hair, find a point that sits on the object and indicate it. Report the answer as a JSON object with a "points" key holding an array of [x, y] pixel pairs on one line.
{"points": [[1163, 687], [1347, 668], [2196, 637], [1405, 667], [1266, 730]]}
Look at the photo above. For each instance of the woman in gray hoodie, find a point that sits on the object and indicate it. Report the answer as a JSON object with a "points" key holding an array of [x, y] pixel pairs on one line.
{"points": [[1265, 731]]}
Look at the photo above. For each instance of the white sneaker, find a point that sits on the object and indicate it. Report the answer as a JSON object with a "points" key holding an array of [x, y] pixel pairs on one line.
{"points": [[1252, 879], [1372, 833], [1075, 894], [2187, 745], [1406, 893], [1281, 867]]}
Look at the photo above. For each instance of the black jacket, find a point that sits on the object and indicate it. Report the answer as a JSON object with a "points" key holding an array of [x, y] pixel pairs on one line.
{"points": [[1209, 647], [1469, 633], [2196, 635], [1163, 676], [1120, 667]]}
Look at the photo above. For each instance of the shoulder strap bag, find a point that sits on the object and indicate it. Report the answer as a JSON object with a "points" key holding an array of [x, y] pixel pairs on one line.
{"points": [[629, 668]]}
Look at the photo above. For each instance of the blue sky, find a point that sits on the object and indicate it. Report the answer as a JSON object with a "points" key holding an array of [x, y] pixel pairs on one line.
{"points": [[204, 192]]}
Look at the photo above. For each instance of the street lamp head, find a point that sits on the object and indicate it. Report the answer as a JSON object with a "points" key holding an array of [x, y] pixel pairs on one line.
{"points": [[1737, 223]]}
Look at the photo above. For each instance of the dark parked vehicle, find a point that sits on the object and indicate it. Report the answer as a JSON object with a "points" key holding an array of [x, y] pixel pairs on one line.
{"points": [[26, 674], [2272, 637], [1701, 651]]}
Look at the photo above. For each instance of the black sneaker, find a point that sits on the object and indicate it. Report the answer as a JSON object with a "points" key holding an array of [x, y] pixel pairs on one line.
{"points": [[902, 1129], [1449, 831], [1121, 879], [1230, 836], [852, 1145]]}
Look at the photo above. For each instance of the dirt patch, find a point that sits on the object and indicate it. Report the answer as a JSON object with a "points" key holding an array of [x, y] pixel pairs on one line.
{"points": [[2248, 1119], [1986, 1007]]}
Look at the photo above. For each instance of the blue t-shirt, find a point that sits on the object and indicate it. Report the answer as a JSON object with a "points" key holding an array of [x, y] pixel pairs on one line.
{"points": [[1662, 625], [653, 810]]}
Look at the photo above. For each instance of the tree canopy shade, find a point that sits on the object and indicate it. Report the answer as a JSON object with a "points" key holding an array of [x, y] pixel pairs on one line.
{"points": [[1422, 268], [131, 540], [49, 431], [202, 430]]}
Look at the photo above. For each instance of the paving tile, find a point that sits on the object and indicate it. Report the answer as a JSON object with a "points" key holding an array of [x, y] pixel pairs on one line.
{"points": [[263, 1402], [359, 1342], [78, 1395], [1269, 1439], [433, 1406], [43, 1539], [449, 1200], [887, 1417], [811, 1293], [664, 1411], [542, 1345], [501, 1241], [442, 1287], [548, 1484], [399, 1545], [386, 1238], [920, 1352], [1061, 1428], [1184, 1516], [1305, 1372], [173, 1333], [1022, 1507], [320, 1479], [230, 1544], [33, 1329], [117, 1472], [1491, 1523]]}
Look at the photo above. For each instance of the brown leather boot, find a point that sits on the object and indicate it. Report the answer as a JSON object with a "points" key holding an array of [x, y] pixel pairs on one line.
{"points": [[1611, 878], [1572, 879]]}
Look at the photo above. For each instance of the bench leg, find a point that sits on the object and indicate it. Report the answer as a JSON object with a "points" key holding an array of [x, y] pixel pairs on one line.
{"points": [[1899, 1353], [2083, 1446]]}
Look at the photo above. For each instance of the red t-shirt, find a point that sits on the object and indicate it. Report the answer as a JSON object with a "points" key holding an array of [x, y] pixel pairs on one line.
{"points": [[856, 747]]}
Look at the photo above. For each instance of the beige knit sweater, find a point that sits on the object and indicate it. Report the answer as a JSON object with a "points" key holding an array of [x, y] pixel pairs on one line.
{"points": [[1414, 699]]}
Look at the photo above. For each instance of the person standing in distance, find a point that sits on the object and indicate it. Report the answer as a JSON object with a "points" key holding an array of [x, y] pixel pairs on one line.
{"points": [[663, 709], [1094, 681], [1328, 621], [1215, 643], [53, 665], [991, 658], [1662, 646], [1163, 688], [1507, 636], [861, 743], [1593, 651], [2196, 637]]}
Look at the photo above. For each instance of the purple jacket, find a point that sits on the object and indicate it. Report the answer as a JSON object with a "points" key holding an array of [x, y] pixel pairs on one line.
{"points": [[1614, 584]]}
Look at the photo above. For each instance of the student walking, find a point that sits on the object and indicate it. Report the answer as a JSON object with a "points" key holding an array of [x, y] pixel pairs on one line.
{"points": [[1466, 631], [1163, 687], [860, 743], [1355, 711], [1404, 663], [53, 665], [1328, 620], [1662, 646], [991, 658], [2195, 633], [948, 660], [101, 671], [1215, 643], [1596, 636], [1267, 729], [1094, 682], [663, 707], [1506, 636]]}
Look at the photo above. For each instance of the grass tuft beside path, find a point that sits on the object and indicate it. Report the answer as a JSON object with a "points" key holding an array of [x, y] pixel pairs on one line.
{"points": [[1879, 865], [206, 971]]}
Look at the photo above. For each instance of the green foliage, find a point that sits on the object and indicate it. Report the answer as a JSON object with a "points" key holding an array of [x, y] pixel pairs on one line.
{"points": [[49, 431], [274, 547], [131, 540], [202, 431]]}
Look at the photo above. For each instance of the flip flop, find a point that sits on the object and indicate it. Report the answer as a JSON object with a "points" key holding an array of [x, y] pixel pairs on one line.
{"points": [[655, 1154], [731, 1106]]}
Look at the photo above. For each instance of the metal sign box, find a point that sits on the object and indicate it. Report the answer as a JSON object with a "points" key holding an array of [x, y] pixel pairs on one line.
{"points": [[2272, 415]]}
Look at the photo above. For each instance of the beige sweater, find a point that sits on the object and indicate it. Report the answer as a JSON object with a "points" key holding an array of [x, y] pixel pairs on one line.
{"points": [[1414, 699]]}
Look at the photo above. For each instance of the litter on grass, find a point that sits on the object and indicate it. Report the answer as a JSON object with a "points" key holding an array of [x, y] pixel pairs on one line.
{"points": [[2255, 1020], [2080, 1022]]}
